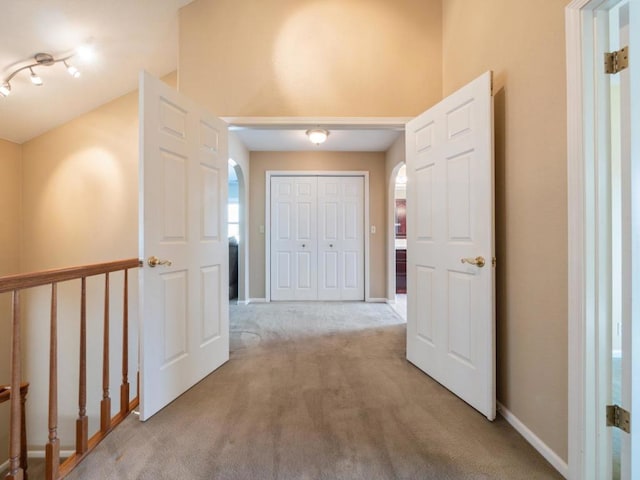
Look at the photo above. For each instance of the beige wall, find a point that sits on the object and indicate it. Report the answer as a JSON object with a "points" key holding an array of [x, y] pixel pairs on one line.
{"points": [[80, 205], [312, 58], [374, 163], [10, 199], [80, 187], [514, 39]]}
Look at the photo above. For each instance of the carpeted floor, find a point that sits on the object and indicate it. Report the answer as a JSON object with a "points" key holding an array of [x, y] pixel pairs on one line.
{"points": [[315, 391]]}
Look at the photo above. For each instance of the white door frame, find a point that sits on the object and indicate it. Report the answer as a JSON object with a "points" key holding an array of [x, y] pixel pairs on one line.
{"points": [[310, 173], [584, 348]]}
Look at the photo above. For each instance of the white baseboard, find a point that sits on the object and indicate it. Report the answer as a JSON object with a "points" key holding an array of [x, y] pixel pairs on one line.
{"points": [[41, 453], [257, 300], [37, 454], [243, 302], [377, 300], [542, 448]]}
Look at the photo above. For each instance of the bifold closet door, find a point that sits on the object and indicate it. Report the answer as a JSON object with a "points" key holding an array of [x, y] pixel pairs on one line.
{"points": [[294, 255], [317, 238], [340, 238]]}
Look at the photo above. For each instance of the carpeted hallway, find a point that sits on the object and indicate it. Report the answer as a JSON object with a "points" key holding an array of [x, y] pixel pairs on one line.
{"points": [[315, 391]]}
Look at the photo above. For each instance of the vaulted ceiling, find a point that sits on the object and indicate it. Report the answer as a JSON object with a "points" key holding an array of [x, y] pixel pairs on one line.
{"points": [[125, 36]]}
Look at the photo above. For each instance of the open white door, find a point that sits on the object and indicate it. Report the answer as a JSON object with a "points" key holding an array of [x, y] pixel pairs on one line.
{"points": [[184, 324], [450, 244]]}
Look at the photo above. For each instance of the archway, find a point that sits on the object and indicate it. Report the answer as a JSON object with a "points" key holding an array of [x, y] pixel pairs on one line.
{"points": [[396, 239]]}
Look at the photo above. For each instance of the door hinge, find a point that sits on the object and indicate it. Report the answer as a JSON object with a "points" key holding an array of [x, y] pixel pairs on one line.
{"points": [[615, 62], [618, 417]]}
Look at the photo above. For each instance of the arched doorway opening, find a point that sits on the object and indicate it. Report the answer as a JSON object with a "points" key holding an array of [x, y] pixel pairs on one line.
{"points": [[237, 233], [397, 256]]}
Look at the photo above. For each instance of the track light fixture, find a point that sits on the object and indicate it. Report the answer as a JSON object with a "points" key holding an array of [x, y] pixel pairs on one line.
{"points": [[39, 60]]}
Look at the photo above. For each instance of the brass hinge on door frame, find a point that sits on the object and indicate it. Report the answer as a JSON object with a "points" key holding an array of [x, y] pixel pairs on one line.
{"points": [[618, 417], [615, 62]]}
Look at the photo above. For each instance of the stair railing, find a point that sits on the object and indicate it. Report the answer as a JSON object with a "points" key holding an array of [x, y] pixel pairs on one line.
{"points": [[15, 284], [5, 396]]}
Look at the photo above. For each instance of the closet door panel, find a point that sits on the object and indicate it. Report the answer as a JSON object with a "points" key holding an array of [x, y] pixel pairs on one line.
{"points": [[293, 238], [352, 238]]}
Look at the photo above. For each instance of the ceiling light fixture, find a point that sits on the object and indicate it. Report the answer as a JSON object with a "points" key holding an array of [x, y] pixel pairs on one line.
{"points": [[317, 135], [39, 60]]}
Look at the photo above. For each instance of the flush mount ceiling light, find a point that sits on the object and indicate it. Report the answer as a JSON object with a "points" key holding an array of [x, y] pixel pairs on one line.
{"points": [[317, 135], [39, 60]]}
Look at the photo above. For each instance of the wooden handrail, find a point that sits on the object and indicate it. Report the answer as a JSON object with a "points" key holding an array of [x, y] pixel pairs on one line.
{"points": [[22, 281], [17, 440]]}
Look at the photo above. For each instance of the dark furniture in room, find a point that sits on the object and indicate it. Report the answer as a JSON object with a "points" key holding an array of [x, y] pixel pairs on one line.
{"points": [[233, 268], [401, 270]]}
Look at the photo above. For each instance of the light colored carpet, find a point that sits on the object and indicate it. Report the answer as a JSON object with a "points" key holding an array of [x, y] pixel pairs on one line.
{"points": [[315, 391]]}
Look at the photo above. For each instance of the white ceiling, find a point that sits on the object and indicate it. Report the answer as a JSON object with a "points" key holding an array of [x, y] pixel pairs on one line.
{"points": [[126, 36], [295, 139]]}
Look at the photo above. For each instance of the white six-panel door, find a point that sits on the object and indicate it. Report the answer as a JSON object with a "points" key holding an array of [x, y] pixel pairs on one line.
{"points": [[294, 219], [317, 238], [340, 238], [184, 323], [450, 233]]}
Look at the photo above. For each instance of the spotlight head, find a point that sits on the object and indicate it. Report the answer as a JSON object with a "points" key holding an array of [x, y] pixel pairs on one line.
{"points": [[73, 71], [5, 89], [35, 79]]}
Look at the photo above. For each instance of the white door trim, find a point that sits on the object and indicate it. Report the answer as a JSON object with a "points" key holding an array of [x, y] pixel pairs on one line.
{"points": [[267, 219], [584, 352], [346, 123], [580, 449]]}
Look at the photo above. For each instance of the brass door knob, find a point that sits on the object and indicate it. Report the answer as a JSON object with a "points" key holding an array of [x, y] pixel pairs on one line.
{"points": [[478, 261], [155, 261]]}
